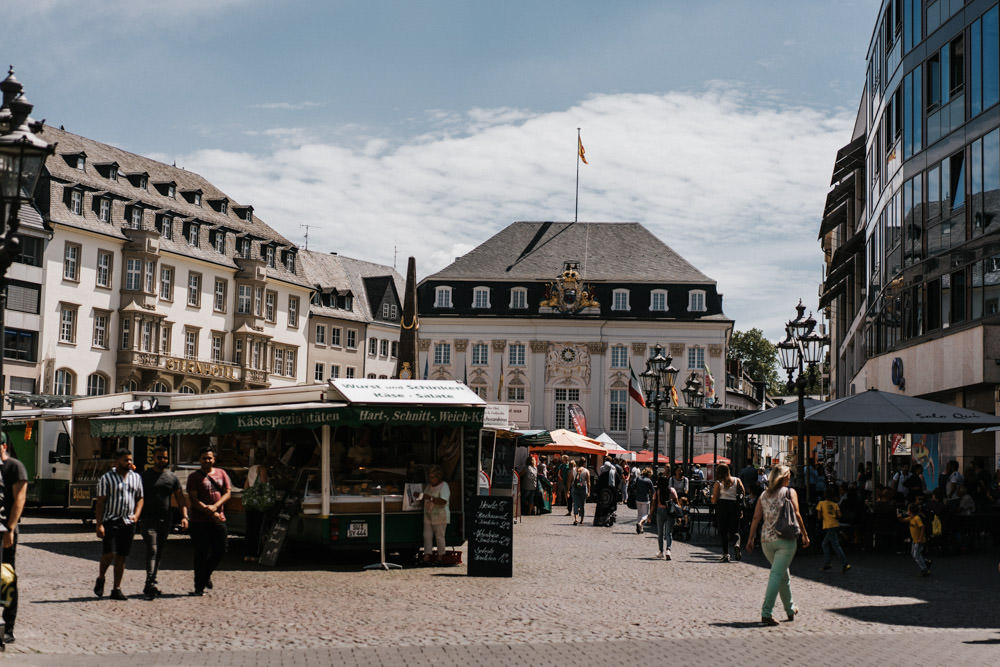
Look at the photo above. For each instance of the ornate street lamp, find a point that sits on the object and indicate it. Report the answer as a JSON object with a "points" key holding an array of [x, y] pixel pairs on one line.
{"points": [[657, 381], [22, 155], [802, 350]]}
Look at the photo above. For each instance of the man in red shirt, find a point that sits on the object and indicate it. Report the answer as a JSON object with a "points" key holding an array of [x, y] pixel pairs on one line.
{"points": [[208, 490]]}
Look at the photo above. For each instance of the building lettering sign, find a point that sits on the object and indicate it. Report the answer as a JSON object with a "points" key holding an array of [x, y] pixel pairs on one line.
{"points": [[406, 391], [201, 368]]}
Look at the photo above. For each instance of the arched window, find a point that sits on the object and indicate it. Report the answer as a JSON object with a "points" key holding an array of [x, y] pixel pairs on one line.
{"points": [[97, 384], [159, 386], [64, 381], [187, 389], [130, 385]]}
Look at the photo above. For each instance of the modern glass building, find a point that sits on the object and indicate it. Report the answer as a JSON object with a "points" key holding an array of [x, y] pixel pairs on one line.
{"points": [[911, 229]]}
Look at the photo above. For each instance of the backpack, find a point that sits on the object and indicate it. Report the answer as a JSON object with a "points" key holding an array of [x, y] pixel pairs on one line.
{"points": [[936, 528]]}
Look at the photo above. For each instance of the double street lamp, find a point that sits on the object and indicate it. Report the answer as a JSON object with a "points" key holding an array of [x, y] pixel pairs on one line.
{"points": [[22, 155], [802, 350], [657, 382]]}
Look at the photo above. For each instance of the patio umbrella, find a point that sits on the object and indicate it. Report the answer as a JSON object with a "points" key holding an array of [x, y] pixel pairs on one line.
{"points": [[708, 459], [738, 424], [875, 411]]}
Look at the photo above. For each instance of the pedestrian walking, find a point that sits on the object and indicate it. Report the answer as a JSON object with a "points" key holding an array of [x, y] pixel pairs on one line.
{"points": [[664, 500], [529, 486], [828, 512], [918, 537], [118, 507], [208, 490], [15, 492], [726, 496], [679, 483], [562, 484], [779, 551], [642, 491], [580, 491], [159, 485], [570, 478]]}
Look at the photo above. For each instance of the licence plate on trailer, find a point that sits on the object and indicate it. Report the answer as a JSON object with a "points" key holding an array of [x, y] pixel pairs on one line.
{"points": [[357, 529]]}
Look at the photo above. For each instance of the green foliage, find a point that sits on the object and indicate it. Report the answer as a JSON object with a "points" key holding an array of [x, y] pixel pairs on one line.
{"points": [[760, 359]]}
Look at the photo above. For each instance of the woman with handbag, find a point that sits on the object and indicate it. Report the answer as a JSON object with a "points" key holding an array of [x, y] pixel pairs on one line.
{"points": [[727, 496], [777, 513], [667, 509]]}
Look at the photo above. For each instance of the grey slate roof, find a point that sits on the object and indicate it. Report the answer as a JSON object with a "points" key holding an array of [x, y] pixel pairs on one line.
{"points": [[328, 270], [123, 192], [606, 251]]}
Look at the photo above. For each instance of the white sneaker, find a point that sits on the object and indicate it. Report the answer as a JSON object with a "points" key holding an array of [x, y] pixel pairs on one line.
{"points": [[659, 556], [667, 556]]}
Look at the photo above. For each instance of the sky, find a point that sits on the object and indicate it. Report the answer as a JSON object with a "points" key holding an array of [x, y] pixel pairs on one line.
{"points": [[391, 128]]}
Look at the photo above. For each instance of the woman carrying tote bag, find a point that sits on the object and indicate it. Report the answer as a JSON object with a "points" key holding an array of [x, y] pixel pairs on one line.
{"points": [[778, 550]]}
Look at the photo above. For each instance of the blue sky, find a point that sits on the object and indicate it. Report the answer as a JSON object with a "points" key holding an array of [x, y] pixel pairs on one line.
{"points": [[398, 128]]}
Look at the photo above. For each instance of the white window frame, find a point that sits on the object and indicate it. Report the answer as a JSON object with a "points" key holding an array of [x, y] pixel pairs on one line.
{"points": [[270, 306], [220, 295], [352, 339], [480, 297], [515, 394], [190, 343], [97, 384], [318, 369], [63, 382], [67, 323], [194, 289], [442, 297], [442, 354], [244, 300], [619, 356], [657, 295], [516, 354], [167, 227], [620, 300], [166, 283], [480, 354], [105, 262], [100, 335], [696, 301], [373, 347], [335, 336], [618, 410], [293, 312], [71, 262], [320, 335], [518, 298], [133, 273], [76, 201], [696, 357], [104, 209]]}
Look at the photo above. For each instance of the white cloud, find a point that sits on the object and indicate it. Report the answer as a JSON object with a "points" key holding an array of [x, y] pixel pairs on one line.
{"points": [[285, 106], [730, 179]]}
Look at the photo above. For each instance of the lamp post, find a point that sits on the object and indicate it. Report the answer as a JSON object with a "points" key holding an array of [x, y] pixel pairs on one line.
{"points": [[694, 398], [657, 381], [802, 350], [22, 155]]}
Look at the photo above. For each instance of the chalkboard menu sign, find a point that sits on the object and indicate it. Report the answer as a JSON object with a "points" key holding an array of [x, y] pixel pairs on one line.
{"points": [[503, 464], [491, 539], [276, 537]]}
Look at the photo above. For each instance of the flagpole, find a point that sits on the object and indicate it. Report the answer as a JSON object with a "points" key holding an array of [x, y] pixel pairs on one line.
{"points": [[576, 207]]}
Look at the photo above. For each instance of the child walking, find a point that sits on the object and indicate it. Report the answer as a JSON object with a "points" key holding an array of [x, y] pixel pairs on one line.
{"points": [[918, 537], [828, 512]]}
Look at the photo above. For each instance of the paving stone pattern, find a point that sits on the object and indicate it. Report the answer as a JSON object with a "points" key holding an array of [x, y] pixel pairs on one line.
{"points": [[579, 593]]}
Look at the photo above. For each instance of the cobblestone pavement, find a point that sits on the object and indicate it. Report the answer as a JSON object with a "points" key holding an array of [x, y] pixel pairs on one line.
{"points": [[590, 595]]}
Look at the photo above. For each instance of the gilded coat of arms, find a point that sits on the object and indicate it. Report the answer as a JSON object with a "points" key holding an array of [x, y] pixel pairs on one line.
{"points": [[568, 294]]}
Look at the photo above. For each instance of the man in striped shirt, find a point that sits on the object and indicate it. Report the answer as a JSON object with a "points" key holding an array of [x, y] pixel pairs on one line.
{"points": [[119, 504]]}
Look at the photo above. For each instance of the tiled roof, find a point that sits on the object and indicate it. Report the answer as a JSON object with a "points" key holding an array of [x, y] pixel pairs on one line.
{"points": [[606, 251], [123, 192], [329, 270]]}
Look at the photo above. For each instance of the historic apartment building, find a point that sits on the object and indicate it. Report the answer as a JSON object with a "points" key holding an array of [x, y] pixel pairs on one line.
{"points": [[554, 314], [911, 228], [354, 317]]}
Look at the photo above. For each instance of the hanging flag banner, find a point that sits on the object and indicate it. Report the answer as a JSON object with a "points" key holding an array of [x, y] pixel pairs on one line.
{"points": [[633, 387], [709, 385], [579, 418]]}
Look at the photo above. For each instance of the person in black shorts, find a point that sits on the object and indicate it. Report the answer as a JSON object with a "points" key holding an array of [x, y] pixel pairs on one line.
{"points": [[119, 504]]}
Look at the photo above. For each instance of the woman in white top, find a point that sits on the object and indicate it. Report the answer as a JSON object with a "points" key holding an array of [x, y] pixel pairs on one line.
{"points": [[679, 483], [779, 551]]}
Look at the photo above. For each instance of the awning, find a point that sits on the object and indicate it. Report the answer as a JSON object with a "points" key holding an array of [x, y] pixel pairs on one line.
{"points": [[293, 415], [848, 248], [831, 293], [832, 219], [849, 158]]}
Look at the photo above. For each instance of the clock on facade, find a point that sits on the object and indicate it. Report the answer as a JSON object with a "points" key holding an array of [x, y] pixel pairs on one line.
{"points": [[568, 355]]}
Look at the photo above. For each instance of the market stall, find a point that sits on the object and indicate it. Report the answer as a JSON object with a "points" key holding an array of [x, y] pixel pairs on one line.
{"points": [[333, 451]]}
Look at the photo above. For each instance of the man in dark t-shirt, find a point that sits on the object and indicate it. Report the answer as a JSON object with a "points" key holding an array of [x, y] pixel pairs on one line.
{"points": [[15, 490], [159, 485]]}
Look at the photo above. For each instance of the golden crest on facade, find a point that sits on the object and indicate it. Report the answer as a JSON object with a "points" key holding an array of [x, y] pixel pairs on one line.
{"points": [[568, 293]]}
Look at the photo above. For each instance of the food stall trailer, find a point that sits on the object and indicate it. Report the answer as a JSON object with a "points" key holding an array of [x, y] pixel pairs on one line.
{"points": [[334, 450], [39, 438]]}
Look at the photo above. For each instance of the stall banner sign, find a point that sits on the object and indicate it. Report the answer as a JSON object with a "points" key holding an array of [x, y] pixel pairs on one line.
{"points": [[406, 391], [165, 424], [497, 415]]}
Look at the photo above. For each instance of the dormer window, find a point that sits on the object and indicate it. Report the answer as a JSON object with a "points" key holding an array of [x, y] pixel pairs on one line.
{"points": [[81, 162], [224, 207], [167, 227], [481, 297], [696, 301], [135, 217], [104, 209], [658, 300], [243, 247], [76, 201], [197, 199], [442, 297], [290, 261], [192, 196], [219, 241], [171, 190], [144, 182], [113, 172], [248, 216], [518, 298], [192, 234], [619, 300], [268, 254]]}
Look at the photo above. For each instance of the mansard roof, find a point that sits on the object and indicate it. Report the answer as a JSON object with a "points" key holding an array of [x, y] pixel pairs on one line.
{"points": [[90, 178], [330, 271], [605, 251]]}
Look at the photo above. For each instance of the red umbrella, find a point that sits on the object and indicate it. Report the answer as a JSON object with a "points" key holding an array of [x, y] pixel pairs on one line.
{"points": [[709, 459]]}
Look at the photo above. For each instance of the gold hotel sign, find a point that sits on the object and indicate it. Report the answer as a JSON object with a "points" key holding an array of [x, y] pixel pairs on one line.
{"points": [[201, 368]]}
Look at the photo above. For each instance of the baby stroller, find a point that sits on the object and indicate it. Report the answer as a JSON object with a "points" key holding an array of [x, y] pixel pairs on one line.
{"points": [[604, 513]]}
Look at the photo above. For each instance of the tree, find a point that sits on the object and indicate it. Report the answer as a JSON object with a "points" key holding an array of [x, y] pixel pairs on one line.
{"points": [[759, 358]]}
